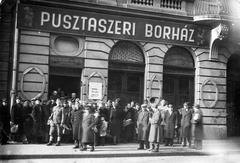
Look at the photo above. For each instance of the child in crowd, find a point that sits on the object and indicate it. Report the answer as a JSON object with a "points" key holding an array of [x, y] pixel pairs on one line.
{"points": [[103, 130]]}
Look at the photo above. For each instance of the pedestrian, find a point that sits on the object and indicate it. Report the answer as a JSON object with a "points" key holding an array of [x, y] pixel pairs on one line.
{"points": [[76, 121], [66, 128], [178, 129], [163, 108], [197, 127], [37, 121], [116, 116], [16, 117], [128, 123], [103, 130], [155, 135], [46, 112], [171, 124], [56, 118], [4, 122], [27, 122], [88, 128], [142, 126], [186, 124]]}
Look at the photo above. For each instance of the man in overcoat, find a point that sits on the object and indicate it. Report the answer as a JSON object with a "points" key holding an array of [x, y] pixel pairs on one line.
{"points": [[142, 127], [171, 124], [155, 135], [88, 127], [186, 124], [76, 120], [37, 121], [4, 122], [197, 127], [16, 116]]}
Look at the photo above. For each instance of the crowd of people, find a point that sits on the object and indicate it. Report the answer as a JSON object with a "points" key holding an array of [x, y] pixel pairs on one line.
{"points": [[92, 124]]}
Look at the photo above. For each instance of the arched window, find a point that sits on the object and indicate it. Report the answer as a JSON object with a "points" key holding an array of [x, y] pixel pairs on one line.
{"points": [[178, 60], [126, 56]]}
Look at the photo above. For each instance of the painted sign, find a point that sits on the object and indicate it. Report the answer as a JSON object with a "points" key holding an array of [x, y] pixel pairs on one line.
{"points": [[74, 62], [111, 26], [95, 90]]}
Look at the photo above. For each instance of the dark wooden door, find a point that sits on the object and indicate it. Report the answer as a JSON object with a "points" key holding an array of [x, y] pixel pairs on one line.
{"points": [[178, 89], [125, 85]]}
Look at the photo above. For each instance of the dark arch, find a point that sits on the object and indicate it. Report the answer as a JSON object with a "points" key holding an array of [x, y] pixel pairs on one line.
{"points": [[178, 56], [126, 51]]}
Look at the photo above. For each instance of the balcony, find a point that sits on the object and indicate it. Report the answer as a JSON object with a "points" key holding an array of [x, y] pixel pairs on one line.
{"points": [[216, 10]]}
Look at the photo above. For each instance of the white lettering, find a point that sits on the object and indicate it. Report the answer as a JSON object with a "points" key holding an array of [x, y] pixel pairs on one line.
{"points": [[43, 18], [184, 34], [92, 23], [175, 34], [158, 31], [166, 32], [75, 23], [191, 35], [58, 20], [67, 24], [117, 29], [126, 28], [134, 29], [148, 30], [83, 22], [110, 26], [100, 24]]}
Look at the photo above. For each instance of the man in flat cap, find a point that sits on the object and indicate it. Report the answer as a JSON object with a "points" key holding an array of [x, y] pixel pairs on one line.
{"points": [[4, 122]]}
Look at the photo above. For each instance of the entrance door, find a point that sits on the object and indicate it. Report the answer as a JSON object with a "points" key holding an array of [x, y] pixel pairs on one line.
{"points": [[67, 79], [233, 96], [126, 73], [125, 85], [178, 89], [178, 76]]}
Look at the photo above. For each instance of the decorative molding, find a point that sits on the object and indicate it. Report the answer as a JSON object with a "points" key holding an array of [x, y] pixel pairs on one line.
{"points": [[217, 35], [43, 82], [103, 82], [216, 94], [155, 77]]}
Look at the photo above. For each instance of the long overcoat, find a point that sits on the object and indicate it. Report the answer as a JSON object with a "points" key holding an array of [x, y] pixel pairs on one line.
{"points": [[197, 125], [16, 116], [186, 123], [88, 123], [116, 116], [171, 122], [155, 134], [142, 125], [76, 120]]}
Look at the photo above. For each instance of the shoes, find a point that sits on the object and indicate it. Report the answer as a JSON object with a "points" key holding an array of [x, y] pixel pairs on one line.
{"points": [[83, 149], [183, 145], [140, 148], [75, 147], [165, 145], [155, 150], [57, 144], [49, 143], [92, 149]]}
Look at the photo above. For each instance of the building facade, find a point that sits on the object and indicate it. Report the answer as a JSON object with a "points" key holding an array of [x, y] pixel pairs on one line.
{"points": [[182, 50]]}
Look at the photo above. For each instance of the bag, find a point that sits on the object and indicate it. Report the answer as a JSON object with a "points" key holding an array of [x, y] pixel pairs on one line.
{"points": [[14, 129]]}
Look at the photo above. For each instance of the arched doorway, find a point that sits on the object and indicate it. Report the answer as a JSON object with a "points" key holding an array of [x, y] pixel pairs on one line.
{"points": [[178, 76], [126, 72], [233, 95]]}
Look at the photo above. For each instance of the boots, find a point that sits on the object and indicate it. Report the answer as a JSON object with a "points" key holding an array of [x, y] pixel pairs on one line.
{"points": [[76, 144], [84, 147], [92, 149], [50, 141], [58, 141], [156, 149], [153, 147]]}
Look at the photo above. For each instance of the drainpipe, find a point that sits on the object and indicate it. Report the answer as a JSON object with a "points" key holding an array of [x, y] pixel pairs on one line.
{"points": [[15, 59]]}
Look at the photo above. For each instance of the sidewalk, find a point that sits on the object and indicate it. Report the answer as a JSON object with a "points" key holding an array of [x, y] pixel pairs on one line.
{"points": [[37, 151]]}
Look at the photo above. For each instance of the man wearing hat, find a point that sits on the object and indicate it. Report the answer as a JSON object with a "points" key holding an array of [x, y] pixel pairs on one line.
{"points": [[186, 124], [16, 115], [37, 121], [4, 122], [142, 126]]}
